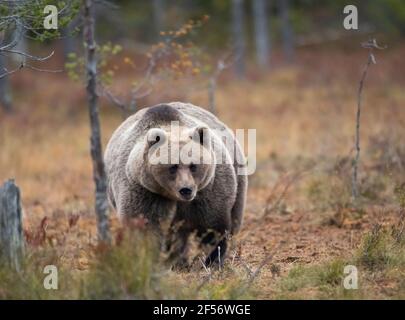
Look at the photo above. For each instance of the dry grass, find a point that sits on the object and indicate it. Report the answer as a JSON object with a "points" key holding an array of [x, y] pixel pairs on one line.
{"points": [[304, 116]]}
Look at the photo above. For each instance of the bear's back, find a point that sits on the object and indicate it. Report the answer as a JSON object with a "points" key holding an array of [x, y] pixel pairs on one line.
{"points": [[200, 116]]}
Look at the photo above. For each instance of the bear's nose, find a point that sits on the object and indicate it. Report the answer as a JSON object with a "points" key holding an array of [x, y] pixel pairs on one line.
{"points": [[186, 192]]}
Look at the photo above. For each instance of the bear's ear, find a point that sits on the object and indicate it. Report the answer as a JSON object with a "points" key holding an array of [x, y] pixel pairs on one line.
{"points": [[155, 135], [202, 135]]}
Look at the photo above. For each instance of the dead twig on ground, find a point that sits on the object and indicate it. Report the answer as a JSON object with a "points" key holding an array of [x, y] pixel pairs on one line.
{"points": [[264, 262]]}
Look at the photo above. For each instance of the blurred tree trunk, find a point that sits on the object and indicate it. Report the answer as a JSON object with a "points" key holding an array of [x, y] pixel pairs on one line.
{"points": [[100, 179], [286, 30], [238, 36], [21, 45], [158, 15], [15, 37], [262, 39], [68, 41], [5, 90]]}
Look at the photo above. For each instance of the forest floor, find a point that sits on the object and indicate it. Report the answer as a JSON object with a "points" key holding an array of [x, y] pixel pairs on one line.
{"points": [[301, 226]]}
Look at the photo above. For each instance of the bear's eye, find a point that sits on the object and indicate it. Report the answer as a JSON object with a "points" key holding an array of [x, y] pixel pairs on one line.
{"points": [[173, 169], [193, 168]]}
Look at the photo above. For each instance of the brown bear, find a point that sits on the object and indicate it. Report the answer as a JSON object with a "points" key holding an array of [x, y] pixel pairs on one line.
{"points": [[178, 161]]}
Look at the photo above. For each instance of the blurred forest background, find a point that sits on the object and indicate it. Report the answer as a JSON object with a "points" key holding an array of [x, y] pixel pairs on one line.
{"points": [[287, 68], [260, 33]]}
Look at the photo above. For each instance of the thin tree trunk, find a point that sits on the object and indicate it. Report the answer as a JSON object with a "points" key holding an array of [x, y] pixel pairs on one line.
{"points": [[158, 14], [238, 36], [212, 87], [99, 175], [286, 30], [355, 188], [5, 89], [262, 38], [11, 230]]}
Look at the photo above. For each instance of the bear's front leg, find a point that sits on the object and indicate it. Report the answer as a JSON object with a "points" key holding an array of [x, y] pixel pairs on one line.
{"points": [[219, 242], [177, 249]]}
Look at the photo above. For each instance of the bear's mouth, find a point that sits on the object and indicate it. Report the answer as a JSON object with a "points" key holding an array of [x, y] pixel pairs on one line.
{"points": [[186, 194], [187, 198]]}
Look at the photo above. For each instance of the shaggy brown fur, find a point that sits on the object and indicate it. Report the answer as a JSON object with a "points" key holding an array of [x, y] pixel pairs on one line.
{"points": [[207, 198]]}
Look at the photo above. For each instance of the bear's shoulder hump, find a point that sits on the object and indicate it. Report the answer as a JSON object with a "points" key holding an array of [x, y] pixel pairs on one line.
{"points": [[161, 113]]}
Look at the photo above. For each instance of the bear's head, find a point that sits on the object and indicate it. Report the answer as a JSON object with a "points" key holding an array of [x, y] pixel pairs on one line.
{"points": [[176, 164]]}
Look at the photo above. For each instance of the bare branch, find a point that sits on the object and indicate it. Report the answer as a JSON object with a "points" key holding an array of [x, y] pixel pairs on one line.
{"points": [[17, 35], [7, 72], [372, 44], [20, 20], [42, 70], [116, 101], [29, 56]]}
